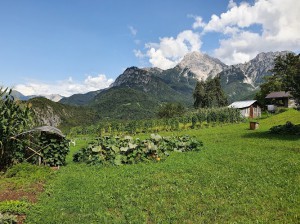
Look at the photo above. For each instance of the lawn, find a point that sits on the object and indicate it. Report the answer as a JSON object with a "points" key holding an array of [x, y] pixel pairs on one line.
{"points": [[240, 176]]}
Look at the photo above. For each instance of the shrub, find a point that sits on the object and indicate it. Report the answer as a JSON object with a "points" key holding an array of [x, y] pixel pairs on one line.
{"points": [[288, 128], [170, 110]]}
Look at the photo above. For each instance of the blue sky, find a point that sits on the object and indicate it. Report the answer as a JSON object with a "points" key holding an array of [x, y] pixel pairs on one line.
{"points": [[76, 46]]}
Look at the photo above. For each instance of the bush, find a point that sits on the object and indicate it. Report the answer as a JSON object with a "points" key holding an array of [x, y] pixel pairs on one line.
{"points": [[288, 128], [170, 110]]}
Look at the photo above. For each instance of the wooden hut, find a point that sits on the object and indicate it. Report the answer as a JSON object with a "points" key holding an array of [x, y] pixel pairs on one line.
{"points": [[280, 99], [248, 108]]}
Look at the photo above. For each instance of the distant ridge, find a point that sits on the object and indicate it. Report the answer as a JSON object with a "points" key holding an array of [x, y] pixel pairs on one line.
{"points": [[137, 93]]}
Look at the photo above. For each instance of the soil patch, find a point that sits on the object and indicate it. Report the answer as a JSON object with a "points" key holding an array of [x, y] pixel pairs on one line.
{"points": [[21, 219], [19, 194], [30, 195]]}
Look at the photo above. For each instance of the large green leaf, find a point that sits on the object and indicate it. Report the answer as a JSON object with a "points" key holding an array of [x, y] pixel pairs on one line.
{"points": [[156, 137], [115, 149], [118, 160], [132, 146], [97, 148], [127, 137], [124, 149]]}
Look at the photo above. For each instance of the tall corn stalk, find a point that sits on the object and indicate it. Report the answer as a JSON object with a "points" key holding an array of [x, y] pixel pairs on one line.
{"points": [[14, 118]]}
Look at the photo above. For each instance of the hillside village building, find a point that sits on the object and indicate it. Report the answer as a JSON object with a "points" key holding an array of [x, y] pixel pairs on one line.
{"points": [[280, 99], [248, 108]]}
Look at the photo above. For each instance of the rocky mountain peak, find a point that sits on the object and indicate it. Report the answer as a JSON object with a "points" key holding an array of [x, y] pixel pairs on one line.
{"points": [[153, 69], [259, 67], [269, 55], [131, 70], [132, 75], [54, 97], [202, 65]]}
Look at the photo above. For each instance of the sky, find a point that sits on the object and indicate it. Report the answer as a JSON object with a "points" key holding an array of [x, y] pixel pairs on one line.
{"points": [[76, 46]]}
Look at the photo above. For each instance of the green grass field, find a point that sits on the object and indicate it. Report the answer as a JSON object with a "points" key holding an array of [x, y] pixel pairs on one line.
{"points": [[240, 176]]}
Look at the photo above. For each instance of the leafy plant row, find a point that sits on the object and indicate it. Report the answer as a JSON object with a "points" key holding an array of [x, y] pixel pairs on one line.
{"points": [[193, 120], [118, 151]]}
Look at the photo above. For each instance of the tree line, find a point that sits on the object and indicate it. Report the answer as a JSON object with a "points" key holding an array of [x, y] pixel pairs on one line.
{"points": [[201, 118]]}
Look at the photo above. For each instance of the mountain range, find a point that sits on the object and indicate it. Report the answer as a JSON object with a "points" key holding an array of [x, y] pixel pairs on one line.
{"points": [[138, 92], [53, 97]]}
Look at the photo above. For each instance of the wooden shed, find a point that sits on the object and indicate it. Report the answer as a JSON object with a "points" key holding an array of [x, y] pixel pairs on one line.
{"points": [[280, 99], [248, 108]]}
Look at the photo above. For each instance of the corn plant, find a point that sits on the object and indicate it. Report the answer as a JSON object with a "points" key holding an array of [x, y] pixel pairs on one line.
{"points": [[14, 118]]}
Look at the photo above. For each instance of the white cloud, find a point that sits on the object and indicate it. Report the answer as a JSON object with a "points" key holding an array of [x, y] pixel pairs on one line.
{"points": [[169, 51], [198, 23], [133, 31], [279, 22], [231, 4], [95, 82], [246, 30], [137, 42], [139, 54], [65, 87]]}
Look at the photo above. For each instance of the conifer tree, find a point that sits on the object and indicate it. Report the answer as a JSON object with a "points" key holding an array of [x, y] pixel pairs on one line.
{"points": [[199, 94], [209, 94]]}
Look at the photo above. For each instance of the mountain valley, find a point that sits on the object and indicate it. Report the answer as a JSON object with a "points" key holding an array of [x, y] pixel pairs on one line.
{"points": [[139, 92]]}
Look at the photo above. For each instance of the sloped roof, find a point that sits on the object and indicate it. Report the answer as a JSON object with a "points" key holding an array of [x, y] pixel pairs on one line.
{"points": [[48, 129], [242, 104], [280, 94]]}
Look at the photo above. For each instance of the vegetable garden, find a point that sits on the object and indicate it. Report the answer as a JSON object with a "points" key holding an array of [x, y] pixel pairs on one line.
{"points": [[118, 151]]}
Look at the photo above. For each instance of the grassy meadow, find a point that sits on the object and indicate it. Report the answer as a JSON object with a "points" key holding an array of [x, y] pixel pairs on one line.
{"points": [[240, 176]]}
